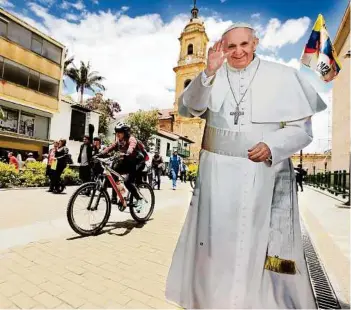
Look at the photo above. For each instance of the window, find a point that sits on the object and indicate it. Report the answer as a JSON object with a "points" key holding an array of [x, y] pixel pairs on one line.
{"points": [[37, 44], [52, 52], [1, 66], [158, 144], [33, 80], [16, 73], [190, 49], [48, 86], [77, 125], [3, 28], [19, 34], [185, 145], [10, 122], [27, 125], [168, 146], [186, 83]]}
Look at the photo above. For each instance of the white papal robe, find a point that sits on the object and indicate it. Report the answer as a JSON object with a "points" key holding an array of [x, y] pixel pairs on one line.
{"points": [[242, 211]]}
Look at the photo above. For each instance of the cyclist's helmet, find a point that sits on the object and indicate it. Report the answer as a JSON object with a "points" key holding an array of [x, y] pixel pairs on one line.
{"points": [[122, 127]]}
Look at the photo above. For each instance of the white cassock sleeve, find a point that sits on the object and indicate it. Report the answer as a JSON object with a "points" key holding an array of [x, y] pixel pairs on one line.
{"points": [[286, 141], [194, 100]]}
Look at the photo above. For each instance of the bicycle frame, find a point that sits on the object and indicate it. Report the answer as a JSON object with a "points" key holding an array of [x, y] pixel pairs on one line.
{"points": [[109, 172]]}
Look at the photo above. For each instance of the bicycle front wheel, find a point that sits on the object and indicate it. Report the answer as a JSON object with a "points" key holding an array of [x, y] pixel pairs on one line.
{"points": [[88, 209], [142, 211]]}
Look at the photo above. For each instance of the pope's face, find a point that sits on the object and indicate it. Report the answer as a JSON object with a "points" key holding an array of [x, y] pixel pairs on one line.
{"points": [[242, 45]]}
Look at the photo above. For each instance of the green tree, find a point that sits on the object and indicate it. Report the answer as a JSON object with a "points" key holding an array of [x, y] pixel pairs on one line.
{"points": [[144, 125], [108, 109], [85, 79], [67, 65]]}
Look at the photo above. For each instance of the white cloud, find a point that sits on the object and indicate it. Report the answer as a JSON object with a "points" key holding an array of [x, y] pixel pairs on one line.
{"points": [[79, 5], [72, 17], [6, 4], [46, 2], [95, 2], [222, 1], [256, 15], [124, 8], [276, 34]]}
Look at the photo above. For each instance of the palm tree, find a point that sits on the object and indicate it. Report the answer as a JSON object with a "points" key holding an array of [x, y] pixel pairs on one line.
{"points": [[85, 79], [67, 64]]}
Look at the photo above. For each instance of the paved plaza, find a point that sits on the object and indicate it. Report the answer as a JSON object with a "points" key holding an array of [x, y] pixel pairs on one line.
{"points": [[43, 264]]}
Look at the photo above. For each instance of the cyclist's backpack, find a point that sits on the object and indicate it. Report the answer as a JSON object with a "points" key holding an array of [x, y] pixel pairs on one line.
{"points": [[141, 148]]}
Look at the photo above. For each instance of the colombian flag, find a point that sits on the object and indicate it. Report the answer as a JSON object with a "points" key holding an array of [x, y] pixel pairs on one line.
{"points": [[319, 53]]}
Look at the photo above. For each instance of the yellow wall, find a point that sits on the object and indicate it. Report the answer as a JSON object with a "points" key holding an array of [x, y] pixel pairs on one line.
{"points": [[26, 96], [21, 145], [310, 160], [341, 112], [29, 59]]}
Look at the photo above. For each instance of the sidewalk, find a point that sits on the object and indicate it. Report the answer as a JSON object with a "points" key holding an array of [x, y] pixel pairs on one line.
{"points": [[123, 268], [329, 229]]}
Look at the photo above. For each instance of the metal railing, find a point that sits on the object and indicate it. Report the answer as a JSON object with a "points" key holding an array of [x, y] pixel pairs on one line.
{"points": [[181, 152], [337, 182]]}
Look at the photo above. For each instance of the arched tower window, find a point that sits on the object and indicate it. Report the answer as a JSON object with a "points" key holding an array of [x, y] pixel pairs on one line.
{"points": [[190, 49], [186, 83]]}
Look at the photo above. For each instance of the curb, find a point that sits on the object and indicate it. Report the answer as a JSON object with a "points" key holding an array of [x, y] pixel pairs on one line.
{"points": [[327, 194]]}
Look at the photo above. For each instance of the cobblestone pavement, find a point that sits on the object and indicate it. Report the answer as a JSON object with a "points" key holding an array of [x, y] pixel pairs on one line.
{"points": [[126, 267], [329, 229]]}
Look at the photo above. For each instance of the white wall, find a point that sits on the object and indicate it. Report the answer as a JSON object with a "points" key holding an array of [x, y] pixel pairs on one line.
{"points": [[60, 126]]}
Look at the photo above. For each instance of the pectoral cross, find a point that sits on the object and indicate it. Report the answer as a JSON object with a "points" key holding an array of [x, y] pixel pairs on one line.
{"points": [[236, 114]]}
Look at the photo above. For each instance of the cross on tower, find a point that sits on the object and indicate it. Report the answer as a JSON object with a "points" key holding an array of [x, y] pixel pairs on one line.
{"points": [[236, 114]]}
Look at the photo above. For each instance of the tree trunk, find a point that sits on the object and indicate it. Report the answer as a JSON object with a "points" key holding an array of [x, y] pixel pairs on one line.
{"points": [[81, 94]]}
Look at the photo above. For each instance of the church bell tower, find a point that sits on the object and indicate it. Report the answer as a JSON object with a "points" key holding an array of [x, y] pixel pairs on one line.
{"points": [[192, 60]]}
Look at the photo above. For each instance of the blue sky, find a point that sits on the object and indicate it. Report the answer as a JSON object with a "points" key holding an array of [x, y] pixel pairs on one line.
{"points": [[134, 43]]}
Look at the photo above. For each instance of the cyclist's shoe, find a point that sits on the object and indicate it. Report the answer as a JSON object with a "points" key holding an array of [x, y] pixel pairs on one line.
{"points": [[139, 205]]}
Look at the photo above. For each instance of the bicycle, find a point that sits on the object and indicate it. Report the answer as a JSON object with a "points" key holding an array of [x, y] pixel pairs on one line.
{"points": [[98, 189], [192, 179]]}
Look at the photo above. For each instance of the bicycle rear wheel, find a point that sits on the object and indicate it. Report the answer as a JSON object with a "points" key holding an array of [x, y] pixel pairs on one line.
{"points": [[147, 204], [95, 204]]}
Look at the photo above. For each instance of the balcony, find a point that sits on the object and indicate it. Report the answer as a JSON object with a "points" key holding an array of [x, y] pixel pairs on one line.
{"points": [[181, 152]]}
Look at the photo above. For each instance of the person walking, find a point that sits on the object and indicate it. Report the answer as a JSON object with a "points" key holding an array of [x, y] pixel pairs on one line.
{"points": [[84, 159], [157, 167], [174, 167]]}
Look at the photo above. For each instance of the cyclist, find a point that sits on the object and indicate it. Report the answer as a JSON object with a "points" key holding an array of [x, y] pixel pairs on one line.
{"points": [[132, 161]]}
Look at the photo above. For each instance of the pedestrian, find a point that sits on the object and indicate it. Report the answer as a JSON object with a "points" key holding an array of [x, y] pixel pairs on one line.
{"points": [[241, 244], [49, 171], [157, 167], [30, 159], [97, 168], [13, 160], [183, 170], [300, 174], [84, 159], [59, 164], [174, 167], [45, 159]]}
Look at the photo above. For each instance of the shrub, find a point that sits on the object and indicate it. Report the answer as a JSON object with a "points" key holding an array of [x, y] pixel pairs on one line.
{"points": [[70, 176], [193, 168], [33, 175], [8, 175]]}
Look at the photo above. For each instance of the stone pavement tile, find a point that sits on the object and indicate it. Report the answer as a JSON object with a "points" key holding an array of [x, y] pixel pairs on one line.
{"points": [[160, 304], [23, 301], [47, 300], [5, 302], [119, 298], [30, 289], [9, 289], [51, 288], [64, 306], [137, 295], [71, 299], [133, 304]]}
